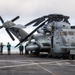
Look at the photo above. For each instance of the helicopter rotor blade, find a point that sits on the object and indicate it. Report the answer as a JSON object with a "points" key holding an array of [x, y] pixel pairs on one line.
{"points": [[32, 22], [39, 21], [1, 19], [31, 33], [36, 21], [15, 18], [9, 34], [7, 30], [1, 27]]}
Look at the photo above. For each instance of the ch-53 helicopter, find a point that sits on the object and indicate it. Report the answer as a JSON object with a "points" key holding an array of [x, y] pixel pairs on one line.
{"points": [[55, 35]]}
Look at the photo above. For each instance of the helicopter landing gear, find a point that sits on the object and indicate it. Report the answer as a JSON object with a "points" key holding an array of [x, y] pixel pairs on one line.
{"points": [[71, 56], [36, 53], [26, 52]]}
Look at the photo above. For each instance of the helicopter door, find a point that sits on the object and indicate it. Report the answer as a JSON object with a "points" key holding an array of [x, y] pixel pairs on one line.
{"points": [[56, 42], [63, 35], [57, 37]]}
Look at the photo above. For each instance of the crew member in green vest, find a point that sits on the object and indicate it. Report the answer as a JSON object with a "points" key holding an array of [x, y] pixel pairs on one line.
{"points": [[21, 49], [8, 48]]}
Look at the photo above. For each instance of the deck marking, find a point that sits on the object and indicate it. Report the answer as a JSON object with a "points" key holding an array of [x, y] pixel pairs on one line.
{"points": [[46, 69], [11, 66], [31, 62], [43, 67]]}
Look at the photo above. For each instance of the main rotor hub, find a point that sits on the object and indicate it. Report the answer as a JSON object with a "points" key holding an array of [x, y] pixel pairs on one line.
{"points": [[58, 18]]}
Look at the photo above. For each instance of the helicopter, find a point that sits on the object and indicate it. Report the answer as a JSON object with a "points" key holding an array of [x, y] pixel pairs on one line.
{"points": [[54, 35]]}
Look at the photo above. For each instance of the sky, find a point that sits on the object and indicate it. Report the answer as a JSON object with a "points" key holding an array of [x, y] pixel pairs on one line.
{"points": [[29, 10]]}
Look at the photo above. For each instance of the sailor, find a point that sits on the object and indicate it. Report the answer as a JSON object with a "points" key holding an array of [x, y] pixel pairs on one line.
{"points": [[8, 48], [1, 48], [21, 49]]}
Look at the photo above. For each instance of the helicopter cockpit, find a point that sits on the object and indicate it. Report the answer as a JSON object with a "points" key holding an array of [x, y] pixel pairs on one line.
{"points": [[67, 36], [65, 33]]}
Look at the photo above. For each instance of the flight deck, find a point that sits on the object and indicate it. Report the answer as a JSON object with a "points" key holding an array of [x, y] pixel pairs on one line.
{"points": [[16, 64]]}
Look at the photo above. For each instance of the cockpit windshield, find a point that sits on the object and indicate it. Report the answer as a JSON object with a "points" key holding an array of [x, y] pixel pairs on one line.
{"points": [[63, 33], [70, 33]]}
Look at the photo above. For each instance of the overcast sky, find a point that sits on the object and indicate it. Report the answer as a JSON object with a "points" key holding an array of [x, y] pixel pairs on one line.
{"points": [[32, 9]]}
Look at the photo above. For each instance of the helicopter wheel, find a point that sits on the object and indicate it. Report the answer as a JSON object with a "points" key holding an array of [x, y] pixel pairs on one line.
{"points": [[71, 56], [26, 52], [36, 53]]}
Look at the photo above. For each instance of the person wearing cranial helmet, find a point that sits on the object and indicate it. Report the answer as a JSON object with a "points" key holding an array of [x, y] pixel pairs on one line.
{"points": [[8, 48]]}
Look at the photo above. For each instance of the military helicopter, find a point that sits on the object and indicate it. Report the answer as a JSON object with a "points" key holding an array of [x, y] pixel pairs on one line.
{"points": [[55, 34]]}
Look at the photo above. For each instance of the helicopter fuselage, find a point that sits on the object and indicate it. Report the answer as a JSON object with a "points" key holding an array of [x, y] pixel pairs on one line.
{"points": [[41, 43], [63, 42]]}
